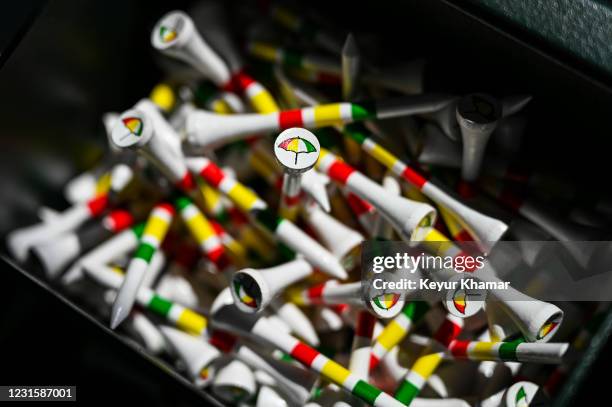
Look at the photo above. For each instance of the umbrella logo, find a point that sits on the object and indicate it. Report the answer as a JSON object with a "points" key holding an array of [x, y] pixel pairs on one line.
{"points": [[521, 398], [167, 34], [298, 146], [243, 296], [546, 329], [134, 125], [386, 301], [459, 301], [169, 30]]}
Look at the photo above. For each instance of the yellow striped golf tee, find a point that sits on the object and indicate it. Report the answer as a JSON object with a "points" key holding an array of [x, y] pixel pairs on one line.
{"points": [[204, 233]]}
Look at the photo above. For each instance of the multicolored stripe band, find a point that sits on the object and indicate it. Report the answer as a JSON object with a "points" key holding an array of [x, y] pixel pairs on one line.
{"points": [[204, 233], [384, 156], [385, 305], [213, 204], [155, 230], [457, 232], [97, 205], [329, 369], [113, 223], [429, 360], [497, 351], [117, 220], [514, 351], [260, 99], [397, 330], [441, 245], [365, 211], [313, 295], [186, 182], [326, 115], [241, 196], [103, 184], [236, 251], [179, 316]]}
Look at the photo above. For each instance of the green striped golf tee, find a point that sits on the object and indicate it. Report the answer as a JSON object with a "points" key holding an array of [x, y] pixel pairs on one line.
{"points": [[397, 330], [181, 317], [282, 229], [155, 230], [329, 369], [514, 351], [429, 360], [177, 315]]}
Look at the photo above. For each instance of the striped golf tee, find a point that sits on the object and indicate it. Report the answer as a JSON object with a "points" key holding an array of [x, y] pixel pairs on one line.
{"points": [[155, 230], [183, 318], [328, 368], [513, 351], [429, 360], [259, 97], [397, 330], [204, 233], [179, 316]]}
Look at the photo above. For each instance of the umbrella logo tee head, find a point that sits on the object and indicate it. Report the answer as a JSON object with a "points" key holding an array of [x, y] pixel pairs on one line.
{"points": [[246, 290], [167, 34], [547, 329], [170, 30], [384, 304], [134, 125], [386, 301], [297, 149], [131, 130], [461, 301]]}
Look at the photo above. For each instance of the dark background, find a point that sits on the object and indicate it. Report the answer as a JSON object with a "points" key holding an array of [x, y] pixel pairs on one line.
{"points": [[80, 59]]}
